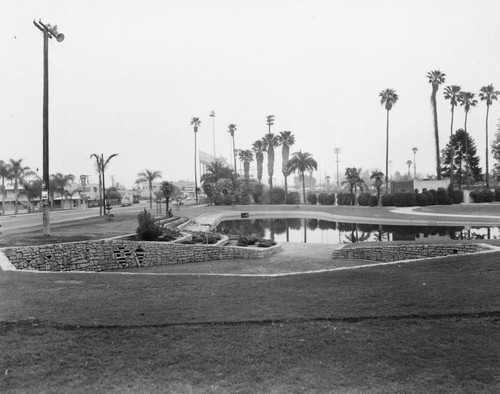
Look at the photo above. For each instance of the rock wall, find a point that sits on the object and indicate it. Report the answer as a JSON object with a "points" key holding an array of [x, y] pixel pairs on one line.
{"points": [[406, 252], [116, 254]]}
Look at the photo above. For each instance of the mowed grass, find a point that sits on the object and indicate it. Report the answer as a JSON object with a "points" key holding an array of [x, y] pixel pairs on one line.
{"points": [[429, 326]]}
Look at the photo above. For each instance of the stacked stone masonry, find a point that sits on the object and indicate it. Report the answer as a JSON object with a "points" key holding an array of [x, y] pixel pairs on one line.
{"points": [[116, 254], [407, 252]]}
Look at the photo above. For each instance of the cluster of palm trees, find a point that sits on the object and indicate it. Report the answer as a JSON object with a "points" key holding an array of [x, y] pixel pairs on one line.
{"points": [[456, 96]]}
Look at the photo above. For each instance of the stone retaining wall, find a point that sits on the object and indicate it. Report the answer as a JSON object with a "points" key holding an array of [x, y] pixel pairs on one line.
{"points": [[116, 254], [406, 252]]}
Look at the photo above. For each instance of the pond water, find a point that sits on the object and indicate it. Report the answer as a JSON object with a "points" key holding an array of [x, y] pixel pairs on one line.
{"points": [[327, 232]]}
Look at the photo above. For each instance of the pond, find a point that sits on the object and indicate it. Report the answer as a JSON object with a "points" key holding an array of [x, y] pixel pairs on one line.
{"points": [[328, 232]]}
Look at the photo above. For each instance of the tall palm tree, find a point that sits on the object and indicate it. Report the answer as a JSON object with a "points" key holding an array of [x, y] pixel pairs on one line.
{"points": [[4, 174], [246, 156], [270, 141], [195, 122], [409, 163], [17, 174], [149, 176], [258, 148], [415, 150], [61, 182], [168, 190], [231, 129], [436, 78], [388, 97], [97, 158], [286, 140], [302, 162], [101, 166], [451, 93], [488, 94], [378, 180], [467, 100]]}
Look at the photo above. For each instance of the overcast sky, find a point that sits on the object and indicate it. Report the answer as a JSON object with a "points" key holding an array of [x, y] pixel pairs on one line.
{"points": [[130, 75]]}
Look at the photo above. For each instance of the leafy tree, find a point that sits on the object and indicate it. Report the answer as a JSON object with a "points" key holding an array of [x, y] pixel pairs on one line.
{"points": [[113, 194], [17, 174], [495, 150], [246, 156], [195, 122], [4, 174], [466, 100], [149, 176], [436, 78], [388, 97], [451, 93], [258, 148], [302, 162], [286, 140], [463, 147], [488, 94], [378, 180], [231, 129], [270, 141]]}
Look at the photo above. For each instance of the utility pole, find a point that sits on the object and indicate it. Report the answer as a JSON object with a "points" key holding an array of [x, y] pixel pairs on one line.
{"points": [[212, 115], [337, 151], [48, 32]]}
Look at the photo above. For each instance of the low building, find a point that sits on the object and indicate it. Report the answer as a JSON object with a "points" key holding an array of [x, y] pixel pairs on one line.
{"points": [[418, 185]]}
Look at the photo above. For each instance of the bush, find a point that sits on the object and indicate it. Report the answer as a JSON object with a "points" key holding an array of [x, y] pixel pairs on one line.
{"points": [[330, 199], [277, 195], [226, 199], [322, 197], [387, 200], [442, 197], [457, 196], [497, 194], [422, 199], [488, 195], [477, 196], [293, 198], [364, 199], [434, 199], [147, 230], [257, 193], [344, 198], [312, 198], [405, 199]]}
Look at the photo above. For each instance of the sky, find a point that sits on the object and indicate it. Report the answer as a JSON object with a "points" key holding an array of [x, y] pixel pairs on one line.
{"points": [[130, 75]]}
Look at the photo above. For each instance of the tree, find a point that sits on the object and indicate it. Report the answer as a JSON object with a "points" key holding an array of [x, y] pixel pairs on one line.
{"points": [[436, 78], [60, 183], [409, 163], [302, 162], [488, 94], [33, 189], [451, 93], [258, 148], [231, 129], [4, 174], [378, 180], [415, 150], [286, 140], [168, 190], [464, 151], [195, 122], [270, 141], [246, 156], [17, 174], [388, 97], [495, 150], [149, 176], [101, 166], [216, 171], [353, 178], [466, 100]]}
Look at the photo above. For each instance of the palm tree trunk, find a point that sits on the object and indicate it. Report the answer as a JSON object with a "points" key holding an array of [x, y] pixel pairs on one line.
{"points": [[386, 155], [451, 146], [151, 194], [3, 196], [436, 133], [466, 153], [303, 187], [234, 156], [487, 161], [16, 198], [100, 193], [270, 165], [286, 187], [103, 186], [195, 173]]}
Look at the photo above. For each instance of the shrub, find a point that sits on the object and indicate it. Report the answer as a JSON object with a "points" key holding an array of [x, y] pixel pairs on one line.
{"points": [[488, 195], [330, 199], [497, 194], [364, 199], [442, 197], [477, 196], [312, 198], [457, 196], [387, 200], [405, 199], [277, 195], [293, 198], [257, 193], [322, 197], [147, 230], [344, 198], [266, 243], [434, 195], [226, 199], [422, 199]]}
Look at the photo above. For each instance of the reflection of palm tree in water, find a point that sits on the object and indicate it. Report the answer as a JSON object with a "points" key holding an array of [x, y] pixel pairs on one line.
{"points": [[355, 235]]}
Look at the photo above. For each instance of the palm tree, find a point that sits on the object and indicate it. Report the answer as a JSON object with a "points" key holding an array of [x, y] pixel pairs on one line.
{"points": [[149, 176], [167, 189], [436, 78], [231, 129], [195, 122], [353, 178], [258, 148], [286, 140], [216, 171], [451, 93], [378, 181], [388, 97], [17, 174], [409, 163], [302, 162], [415, 150], [488, 94], [101, 166], [61, 182], [466, 100], [246, 156], [4, 174], [32, 190], [269, 142]]}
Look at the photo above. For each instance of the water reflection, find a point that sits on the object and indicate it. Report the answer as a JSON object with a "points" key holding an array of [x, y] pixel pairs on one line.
{"points": [[324, 231]]}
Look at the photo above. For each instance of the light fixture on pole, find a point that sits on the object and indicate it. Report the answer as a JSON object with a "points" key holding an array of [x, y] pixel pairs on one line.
{"points": [[48, 32]]}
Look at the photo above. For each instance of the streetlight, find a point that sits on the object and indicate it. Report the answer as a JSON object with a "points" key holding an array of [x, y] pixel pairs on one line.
{"points": [[212, 115], [48, 32]]}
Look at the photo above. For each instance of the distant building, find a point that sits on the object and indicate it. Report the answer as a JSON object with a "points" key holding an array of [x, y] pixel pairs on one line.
{"points": [[418, 185]]}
